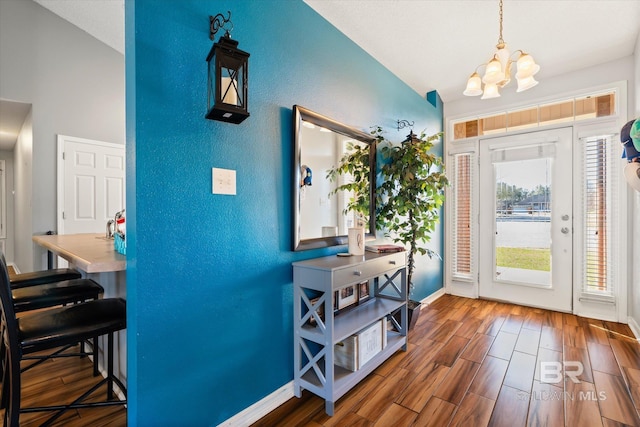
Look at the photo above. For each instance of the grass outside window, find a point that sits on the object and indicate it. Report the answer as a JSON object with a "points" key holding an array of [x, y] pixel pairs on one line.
{"points": [[524, 258]]}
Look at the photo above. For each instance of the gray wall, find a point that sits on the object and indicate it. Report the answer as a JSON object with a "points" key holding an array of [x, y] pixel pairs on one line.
{"points": [[76, 87], [7, 156], [23, 194], [634, 288]]}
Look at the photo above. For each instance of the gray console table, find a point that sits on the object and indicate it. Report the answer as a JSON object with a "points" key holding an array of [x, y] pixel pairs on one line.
{"points": [[317, 329]]}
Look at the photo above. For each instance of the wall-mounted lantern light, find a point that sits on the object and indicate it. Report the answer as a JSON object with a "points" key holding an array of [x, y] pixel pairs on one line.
{"points": [[227, 81]]}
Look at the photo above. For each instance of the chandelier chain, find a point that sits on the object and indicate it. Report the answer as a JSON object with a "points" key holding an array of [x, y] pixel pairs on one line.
{"points": [[500, 40]]}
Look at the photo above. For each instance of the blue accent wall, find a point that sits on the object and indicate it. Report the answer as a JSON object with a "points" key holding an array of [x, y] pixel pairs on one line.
{"points": [[209, 280]]}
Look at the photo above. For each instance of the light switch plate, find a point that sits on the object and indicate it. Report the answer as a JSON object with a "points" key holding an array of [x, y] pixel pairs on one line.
{"points": [[223, 181]]}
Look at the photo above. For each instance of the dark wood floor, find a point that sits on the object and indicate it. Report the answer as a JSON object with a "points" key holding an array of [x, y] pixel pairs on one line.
{"points": [[60, 381], [470, 363], [477, 363]]}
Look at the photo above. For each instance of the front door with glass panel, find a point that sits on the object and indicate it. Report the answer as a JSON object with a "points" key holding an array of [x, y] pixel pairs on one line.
{"points": [[526, 219]]}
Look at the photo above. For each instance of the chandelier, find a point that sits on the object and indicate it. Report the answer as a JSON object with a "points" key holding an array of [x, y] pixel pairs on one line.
{"points": [[497, 73]]}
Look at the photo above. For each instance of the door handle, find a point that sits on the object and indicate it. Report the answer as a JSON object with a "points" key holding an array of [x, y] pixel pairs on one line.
{"points": [[564, 230]]}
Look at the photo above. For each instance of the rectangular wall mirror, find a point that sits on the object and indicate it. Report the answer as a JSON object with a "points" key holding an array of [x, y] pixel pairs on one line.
{"points": [[319, 218]]}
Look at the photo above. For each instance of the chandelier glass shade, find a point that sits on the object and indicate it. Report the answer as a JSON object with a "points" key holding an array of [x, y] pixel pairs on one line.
{"points": [[497, 72]]}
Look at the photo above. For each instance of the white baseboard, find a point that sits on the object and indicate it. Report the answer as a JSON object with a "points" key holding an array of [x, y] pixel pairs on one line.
{"points": [[434, 296], [15, 267], [261, 408], [635, 328]]}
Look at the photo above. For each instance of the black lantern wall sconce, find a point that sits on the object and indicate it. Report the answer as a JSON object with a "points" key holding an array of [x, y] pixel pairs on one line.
{"points": [[228, 75]]}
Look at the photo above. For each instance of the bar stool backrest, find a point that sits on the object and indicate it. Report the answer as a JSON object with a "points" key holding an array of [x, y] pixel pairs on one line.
{"points": [[6, 301], [10, 352]]}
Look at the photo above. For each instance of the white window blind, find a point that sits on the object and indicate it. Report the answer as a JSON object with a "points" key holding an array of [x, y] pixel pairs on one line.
{"points": [[600, 231], [463, 241], [514, 154]]}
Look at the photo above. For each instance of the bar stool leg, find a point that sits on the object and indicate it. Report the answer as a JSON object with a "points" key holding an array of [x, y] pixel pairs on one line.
{"points": [[95, 357], [110, 367]]}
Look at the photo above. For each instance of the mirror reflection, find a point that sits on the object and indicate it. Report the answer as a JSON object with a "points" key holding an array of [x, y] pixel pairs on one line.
{"points": [[321, 218]]}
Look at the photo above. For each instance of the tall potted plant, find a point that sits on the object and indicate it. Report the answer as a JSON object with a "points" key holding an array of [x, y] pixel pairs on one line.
{"points": [[409, 199]]}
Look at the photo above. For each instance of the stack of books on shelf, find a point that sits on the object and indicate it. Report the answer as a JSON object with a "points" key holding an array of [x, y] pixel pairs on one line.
{"points": [[383, 249]]}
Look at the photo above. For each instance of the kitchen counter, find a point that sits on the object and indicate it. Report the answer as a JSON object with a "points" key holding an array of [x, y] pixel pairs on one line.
{"points": [[92, 253]]}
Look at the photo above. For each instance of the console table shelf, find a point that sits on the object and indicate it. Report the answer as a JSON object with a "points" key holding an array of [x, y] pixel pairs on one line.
{"points": [[317, 329]]}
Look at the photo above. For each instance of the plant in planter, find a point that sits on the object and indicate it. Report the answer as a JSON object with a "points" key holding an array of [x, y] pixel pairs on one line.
{"points": [[409, 199]]}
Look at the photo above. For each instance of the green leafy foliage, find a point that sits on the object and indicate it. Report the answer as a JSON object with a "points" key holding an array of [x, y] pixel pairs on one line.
{"points": [[409, 199], [356, 165], [411, 194]]}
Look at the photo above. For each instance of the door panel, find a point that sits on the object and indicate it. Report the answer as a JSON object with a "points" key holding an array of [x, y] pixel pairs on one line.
{"points": [[91, 184], [526, 219]]}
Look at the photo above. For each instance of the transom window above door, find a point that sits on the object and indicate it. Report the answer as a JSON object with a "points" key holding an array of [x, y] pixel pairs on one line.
{"points": [[568, 110]]}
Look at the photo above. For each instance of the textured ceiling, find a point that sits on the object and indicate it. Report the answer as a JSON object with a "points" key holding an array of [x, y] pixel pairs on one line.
{"points": [[433, 44]]}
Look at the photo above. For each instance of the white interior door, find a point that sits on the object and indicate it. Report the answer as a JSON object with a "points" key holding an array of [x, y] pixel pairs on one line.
{"points": [[91, 184], [526, 219]]}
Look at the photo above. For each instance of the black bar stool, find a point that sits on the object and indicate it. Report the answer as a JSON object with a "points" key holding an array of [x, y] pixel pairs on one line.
{"points": [[44, 276], [41, 277], [48, 329], [54, 294], [51, 288]]}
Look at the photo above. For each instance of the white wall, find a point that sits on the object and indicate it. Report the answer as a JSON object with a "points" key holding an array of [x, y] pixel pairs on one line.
{"points": [[7, 156], [76, 87]]}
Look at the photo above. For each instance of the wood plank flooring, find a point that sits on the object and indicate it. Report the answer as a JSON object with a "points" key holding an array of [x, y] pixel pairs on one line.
{"points": [[61, 381], [478, 363]]}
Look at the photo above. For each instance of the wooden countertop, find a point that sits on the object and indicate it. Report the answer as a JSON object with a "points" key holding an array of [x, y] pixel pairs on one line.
{"points": [[91, 253]]}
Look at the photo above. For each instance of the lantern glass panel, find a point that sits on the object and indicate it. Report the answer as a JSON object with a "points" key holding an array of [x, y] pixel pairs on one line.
{"points": [[229, 93]]}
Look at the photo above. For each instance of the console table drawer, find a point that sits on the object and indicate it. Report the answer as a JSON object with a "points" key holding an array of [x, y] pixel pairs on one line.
{"points": [[367, 270]]}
